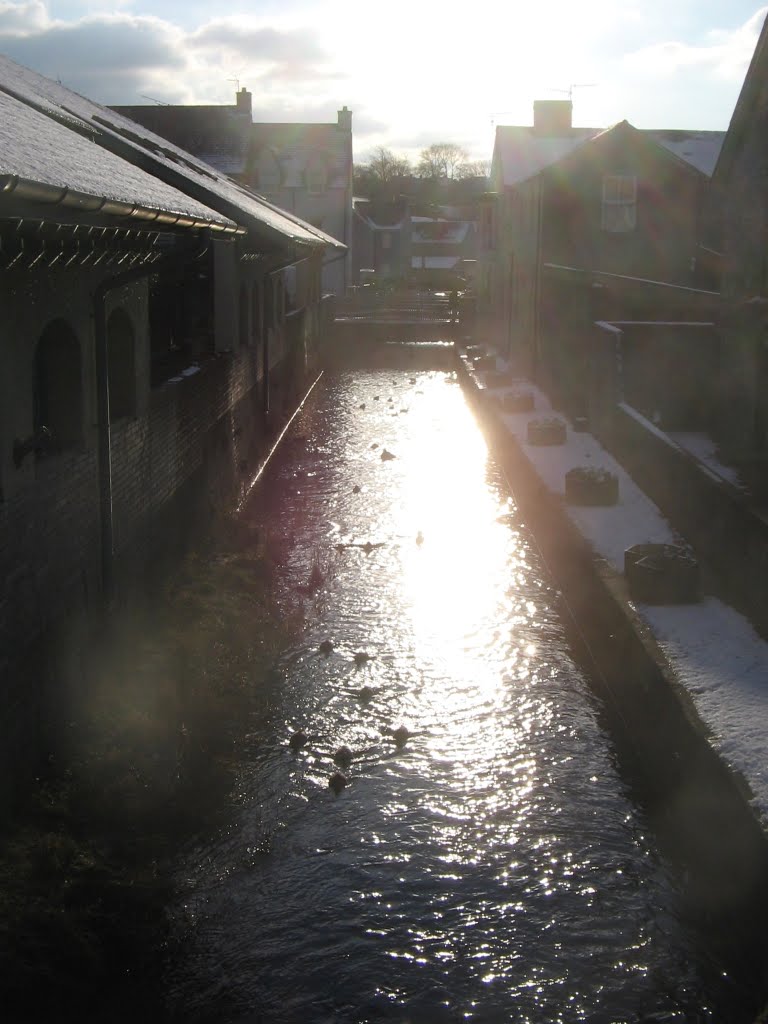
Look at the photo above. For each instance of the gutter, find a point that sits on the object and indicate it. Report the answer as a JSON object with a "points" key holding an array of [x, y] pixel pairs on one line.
{"points": [[39, 192]]}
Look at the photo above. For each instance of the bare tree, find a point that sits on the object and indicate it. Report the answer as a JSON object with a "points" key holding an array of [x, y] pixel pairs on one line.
{"points": [[475, 169], [383, 167], [442, 160]]}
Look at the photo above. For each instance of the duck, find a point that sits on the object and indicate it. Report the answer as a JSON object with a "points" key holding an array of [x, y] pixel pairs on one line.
{"points": [[343, 757], [400, 735], [326, 647], [386, 456], [361, 657], [297, 740], [337, 782], [356, 489], [366, 693]]}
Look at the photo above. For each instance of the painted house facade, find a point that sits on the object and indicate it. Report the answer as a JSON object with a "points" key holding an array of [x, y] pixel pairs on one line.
{"points": [[157, 317], [303, 168]]}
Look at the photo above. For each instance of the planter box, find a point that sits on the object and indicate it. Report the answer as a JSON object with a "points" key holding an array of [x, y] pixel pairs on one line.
{"points": [[549, 431], [485, 362], [587, 486], [662, 574], [518, 401], [499, 379]]}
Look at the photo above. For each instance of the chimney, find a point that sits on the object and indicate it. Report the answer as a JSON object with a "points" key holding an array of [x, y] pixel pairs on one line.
{"points": [[345, 120], [244, 101], [552, 117]]}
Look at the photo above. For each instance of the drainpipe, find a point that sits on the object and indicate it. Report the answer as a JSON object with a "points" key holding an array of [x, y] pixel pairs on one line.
{"points": [[104, 428]]}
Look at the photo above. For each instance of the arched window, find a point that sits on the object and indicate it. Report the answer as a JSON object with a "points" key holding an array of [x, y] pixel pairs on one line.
{"points": [[122, 365], [58, 386], [243, 317]]}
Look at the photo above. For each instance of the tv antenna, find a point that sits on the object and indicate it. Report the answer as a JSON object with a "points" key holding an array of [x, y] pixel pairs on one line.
{"points": [[162, 103], [575, 85]]}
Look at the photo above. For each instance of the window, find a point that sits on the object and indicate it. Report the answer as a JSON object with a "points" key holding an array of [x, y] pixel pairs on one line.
{"points": [[58, 387], [121, 366], [316, 178], [619, 212]]}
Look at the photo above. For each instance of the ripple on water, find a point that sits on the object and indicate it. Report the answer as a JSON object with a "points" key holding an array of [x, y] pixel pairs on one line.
{"points": [[491, 868]]}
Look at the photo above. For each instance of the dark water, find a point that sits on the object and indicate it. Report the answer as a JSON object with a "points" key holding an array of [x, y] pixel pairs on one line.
{"points": [[491, 869]]}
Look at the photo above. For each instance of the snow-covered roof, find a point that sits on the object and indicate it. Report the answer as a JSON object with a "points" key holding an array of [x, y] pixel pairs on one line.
{"points": [[439, 232], [700, 149], [177, 168], [523, 151], [36, 148], [434, 262]]}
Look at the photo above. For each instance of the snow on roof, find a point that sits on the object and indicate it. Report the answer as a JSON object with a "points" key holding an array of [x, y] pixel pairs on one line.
{"points": [[39, 149], [180, 169], [700, 149], [523, 152], [714, 652], [434, 262]]}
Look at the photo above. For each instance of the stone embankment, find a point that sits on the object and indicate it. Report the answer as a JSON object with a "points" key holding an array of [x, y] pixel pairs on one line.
{"points": [[680, 673]]}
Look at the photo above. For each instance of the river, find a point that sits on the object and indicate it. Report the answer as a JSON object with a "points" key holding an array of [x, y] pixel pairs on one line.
{"points": [[493, 867]]}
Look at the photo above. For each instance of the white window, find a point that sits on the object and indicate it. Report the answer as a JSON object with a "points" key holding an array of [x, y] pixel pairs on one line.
{"points": [[619, 202]]}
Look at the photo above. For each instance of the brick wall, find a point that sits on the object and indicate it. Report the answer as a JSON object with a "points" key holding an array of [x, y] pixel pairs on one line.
{"points": [[189, 450]]}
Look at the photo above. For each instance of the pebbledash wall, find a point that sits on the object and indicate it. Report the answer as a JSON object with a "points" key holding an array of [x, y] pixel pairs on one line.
{"points": [[181, 450]]}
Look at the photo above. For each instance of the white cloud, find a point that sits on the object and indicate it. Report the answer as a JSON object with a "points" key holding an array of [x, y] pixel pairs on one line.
{"points": [[725, 54]]}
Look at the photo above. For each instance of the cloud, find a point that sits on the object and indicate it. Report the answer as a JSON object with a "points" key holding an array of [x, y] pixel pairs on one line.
{"points": [[725, 54], [22, 17], [258, 43]]}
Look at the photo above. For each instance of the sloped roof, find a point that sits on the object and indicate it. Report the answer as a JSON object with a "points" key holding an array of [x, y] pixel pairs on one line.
{"points": [[158, 156], [75, 172], [701, 149], [219, 135], [749, 100], [523, 152]]}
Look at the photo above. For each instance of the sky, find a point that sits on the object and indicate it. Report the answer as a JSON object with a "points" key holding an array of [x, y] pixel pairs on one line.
{"points": [[412, 71]]}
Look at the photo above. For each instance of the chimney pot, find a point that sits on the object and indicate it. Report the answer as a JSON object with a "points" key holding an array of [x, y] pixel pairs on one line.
{"points": [[345, 120]]}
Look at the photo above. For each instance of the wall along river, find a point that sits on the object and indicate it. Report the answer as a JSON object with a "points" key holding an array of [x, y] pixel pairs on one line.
{"points": [[492, 868]]}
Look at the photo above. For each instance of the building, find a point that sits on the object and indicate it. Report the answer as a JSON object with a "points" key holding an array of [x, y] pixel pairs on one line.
{"points": [[739, 179], [158, 315], [381, 241], [622, 201], [303, 168]]}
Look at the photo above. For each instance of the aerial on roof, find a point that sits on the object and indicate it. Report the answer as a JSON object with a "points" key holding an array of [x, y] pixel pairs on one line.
{"points": [[114, 132], [35, 148]]}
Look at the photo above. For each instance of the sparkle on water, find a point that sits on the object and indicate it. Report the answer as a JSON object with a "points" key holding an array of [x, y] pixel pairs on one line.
{"points": [[491, 868]]}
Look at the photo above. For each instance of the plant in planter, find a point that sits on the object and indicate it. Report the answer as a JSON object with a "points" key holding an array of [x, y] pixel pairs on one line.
{"points": [[662, 574], [517, 401], [591, 485], [550, 430]]}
